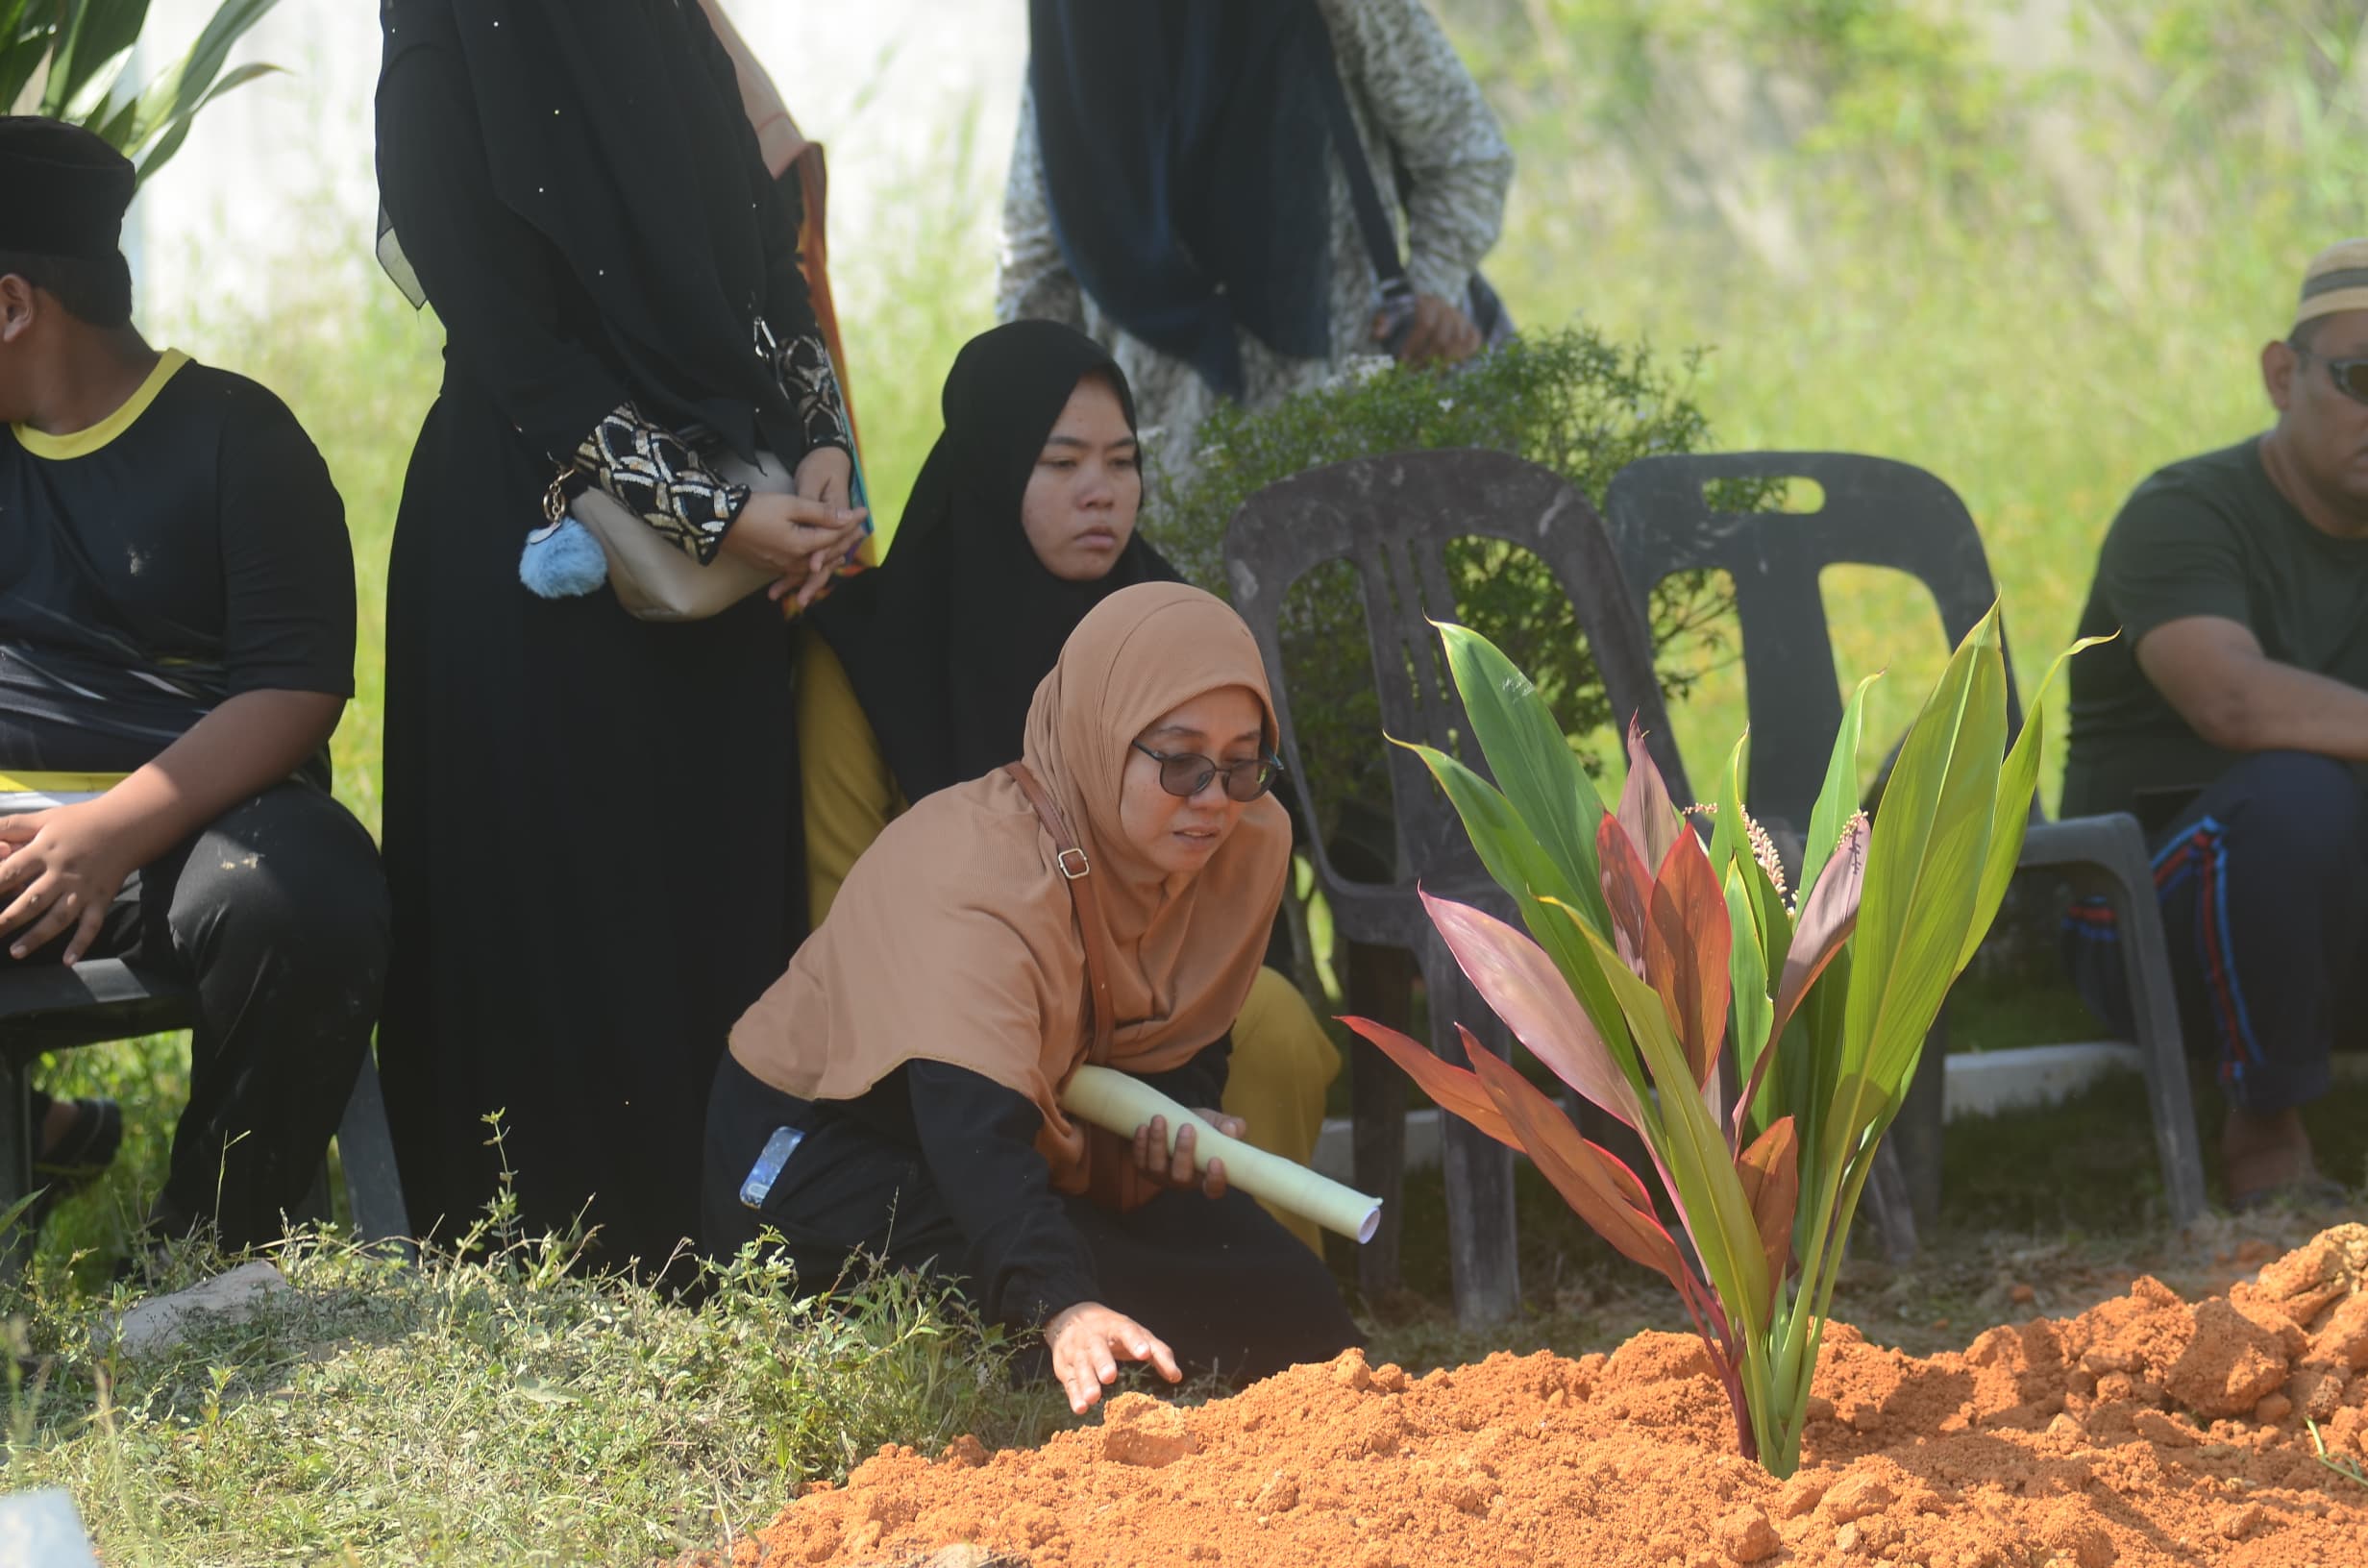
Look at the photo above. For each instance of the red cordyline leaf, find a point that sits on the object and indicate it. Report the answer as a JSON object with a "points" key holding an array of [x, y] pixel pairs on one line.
{"points": [[1819, 932], [1686, 944], [1456, 1088], [1647, 813], [1602, 1189], [1522, 987], [1771, 1176], [1627, 888]]}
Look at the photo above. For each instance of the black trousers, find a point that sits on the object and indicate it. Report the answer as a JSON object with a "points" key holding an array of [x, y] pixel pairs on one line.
{"points": [[2263, 881], [275, 913], [1232, 1292]]}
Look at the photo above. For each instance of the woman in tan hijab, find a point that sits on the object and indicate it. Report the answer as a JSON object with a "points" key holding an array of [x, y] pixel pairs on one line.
{"points": [[895, 1092]]}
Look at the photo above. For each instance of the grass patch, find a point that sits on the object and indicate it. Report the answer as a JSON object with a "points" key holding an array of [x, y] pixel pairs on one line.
{"points": [[496, 1410]]}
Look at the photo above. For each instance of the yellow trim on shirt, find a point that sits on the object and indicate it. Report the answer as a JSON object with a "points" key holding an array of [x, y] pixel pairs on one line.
{"points": [[83, 443], [42, 783]]}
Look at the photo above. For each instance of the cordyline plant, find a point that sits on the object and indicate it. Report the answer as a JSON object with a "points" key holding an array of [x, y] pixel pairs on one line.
{"points": [[1649, 955]]}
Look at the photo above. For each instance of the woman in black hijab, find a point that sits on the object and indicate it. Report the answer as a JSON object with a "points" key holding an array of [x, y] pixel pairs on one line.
{"points": [[946, 640], [918, 676], [586, 832]]}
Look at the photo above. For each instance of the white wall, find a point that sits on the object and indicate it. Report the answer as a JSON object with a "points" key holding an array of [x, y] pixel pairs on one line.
{"points": [[283, 165]]}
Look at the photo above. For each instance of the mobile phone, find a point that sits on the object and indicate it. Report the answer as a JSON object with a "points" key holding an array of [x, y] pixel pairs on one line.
{"points": [[767, 1170]]}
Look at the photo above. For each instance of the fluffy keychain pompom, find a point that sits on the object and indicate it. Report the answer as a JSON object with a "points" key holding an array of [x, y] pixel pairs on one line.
{"points": [[563, 561]]}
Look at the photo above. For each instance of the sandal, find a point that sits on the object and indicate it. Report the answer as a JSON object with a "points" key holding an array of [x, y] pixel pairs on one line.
{"points": [[77, 1157]]}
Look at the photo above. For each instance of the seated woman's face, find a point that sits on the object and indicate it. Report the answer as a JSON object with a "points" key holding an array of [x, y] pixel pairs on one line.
{"points": [[1079, 509], [1179, 833]]}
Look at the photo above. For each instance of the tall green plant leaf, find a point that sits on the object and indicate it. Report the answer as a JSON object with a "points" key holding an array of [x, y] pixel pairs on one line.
{"points": [[95, 35], [177, 125], [1839, 800], [1749, 1007], [1923, 870], [2017, 781], [170, 103], [1526, 749], [1532, 879], [1693, 1148]]}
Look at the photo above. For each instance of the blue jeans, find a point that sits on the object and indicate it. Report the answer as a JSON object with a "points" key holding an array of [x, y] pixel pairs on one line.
{"points": [[2263, 885]]}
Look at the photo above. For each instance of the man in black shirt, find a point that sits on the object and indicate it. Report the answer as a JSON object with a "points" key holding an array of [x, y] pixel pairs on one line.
{"points": [[176, 614], [2230, 715]]}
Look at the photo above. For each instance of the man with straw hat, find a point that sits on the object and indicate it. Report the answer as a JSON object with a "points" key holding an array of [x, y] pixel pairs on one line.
{"points": [[2230, 715]]}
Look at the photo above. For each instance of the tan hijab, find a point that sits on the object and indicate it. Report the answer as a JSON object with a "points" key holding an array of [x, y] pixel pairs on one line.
{"points": [[954, 939]]}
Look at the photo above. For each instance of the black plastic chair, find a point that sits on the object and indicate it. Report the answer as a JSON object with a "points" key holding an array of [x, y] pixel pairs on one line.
{"points": [[1394, 518], [52, 1008], [1882, 513]]}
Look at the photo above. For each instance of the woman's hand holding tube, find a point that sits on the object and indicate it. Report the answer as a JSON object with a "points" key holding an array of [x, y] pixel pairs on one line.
{"points": [[1158, 1165]]}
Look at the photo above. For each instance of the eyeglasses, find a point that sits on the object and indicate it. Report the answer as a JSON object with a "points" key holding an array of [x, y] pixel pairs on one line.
{"points": [[1186, 773], [2350, 376]]}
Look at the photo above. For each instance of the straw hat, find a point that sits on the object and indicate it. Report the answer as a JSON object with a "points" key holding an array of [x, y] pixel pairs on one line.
{"points": [[2337, 279]]}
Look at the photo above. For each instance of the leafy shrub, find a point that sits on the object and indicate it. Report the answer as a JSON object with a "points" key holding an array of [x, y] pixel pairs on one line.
{"points": [[1570, 399]]}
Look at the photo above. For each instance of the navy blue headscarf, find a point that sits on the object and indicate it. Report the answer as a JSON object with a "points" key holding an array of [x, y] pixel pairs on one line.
{"points": [[1185, 159]]}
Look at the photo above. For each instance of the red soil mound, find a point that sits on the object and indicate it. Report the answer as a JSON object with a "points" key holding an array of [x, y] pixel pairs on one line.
{"points": [[2145, 1430]]}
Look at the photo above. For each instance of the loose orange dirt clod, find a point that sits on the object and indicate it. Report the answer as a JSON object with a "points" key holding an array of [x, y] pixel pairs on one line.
{"points": [[2146, 1431]]}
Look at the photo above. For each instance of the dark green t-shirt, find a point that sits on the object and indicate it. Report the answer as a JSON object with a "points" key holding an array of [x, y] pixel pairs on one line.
{"points": [[2207, 536]]}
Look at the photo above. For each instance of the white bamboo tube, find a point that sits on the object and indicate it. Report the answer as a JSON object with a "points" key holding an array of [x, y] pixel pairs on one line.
{"points": [[1119, 1104]]}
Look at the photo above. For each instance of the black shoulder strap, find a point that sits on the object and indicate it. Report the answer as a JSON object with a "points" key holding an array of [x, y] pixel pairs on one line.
{"points": [[1363, 193]]}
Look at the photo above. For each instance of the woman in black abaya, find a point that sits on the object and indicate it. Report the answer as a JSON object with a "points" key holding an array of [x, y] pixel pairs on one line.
{"points": [[590, 821]]}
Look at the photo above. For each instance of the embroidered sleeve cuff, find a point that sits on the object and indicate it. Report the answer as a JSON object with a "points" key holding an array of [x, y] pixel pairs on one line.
{"points": [[654, 473], [813, 389]]}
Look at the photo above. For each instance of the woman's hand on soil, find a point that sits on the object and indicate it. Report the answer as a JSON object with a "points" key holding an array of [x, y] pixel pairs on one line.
{"points": [[1089, 1339], [59, 872], [1153, 1159], [795, 536]]}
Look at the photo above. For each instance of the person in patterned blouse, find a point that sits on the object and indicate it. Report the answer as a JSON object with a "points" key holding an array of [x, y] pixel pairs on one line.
{"points": [[591, 820], [1174, 192]]}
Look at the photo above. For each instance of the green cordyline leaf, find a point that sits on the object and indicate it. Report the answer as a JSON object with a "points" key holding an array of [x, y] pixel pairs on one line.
{"points": [[1520, 866], [1522, 987], [92, 37], [2017, 781], [1749, 1009], [1534, 767], [176, 126], [1826, 921], [1693, 1151], [1839, 800], [1728, 839], [171, 102], [1923, 869]]}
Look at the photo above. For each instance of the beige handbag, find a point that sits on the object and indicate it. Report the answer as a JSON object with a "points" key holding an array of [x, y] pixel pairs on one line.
{"points": [[656, 581]]}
